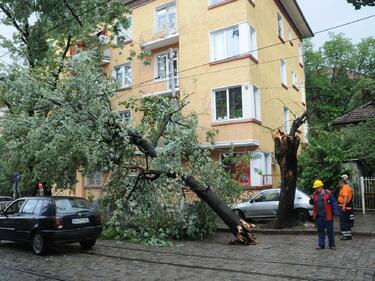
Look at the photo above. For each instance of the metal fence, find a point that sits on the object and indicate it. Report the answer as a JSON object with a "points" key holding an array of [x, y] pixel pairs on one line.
{"points": [[364, 194]]}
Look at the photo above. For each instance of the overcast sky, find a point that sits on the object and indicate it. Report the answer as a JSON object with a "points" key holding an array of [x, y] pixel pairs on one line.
{"points": [[320, 14]]}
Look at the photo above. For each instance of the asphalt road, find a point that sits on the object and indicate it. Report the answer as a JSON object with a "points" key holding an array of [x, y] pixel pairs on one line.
{"points": [[276, 257]]}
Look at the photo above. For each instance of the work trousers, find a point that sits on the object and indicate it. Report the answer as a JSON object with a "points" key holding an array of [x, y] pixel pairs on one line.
{"points": [[323, 224], [345, 224]]}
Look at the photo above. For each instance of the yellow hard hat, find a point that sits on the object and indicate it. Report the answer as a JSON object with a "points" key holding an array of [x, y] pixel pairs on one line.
{"points": [[317, 183]]}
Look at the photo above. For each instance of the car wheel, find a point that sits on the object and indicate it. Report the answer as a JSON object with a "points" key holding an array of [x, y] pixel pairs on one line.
{"points": [[38, 244], [240, 214], [87, 244], [302, 215]]}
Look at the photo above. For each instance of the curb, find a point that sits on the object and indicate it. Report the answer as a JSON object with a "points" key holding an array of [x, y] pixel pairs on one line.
{"points": [[298, 232]]}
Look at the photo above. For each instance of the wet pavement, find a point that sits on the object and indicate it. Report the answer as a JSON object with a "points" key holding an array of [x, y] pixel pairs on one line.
{"points": [[276, 257]]}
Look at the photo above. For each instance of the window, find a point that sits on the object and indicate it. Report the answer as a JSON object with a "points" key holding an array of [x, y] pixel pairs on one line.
{"points": [[162, 67], [126, 116], [253, 42], [166, 18], [124, 33], [29, 206], [284, 78], [240, 171], [233, 41], [38, 208], [295, 79], [94, 179], [236, 103], [300, 53], [123, 75], [71, 205], [286, 120], [261, 169], [252, 172], [267, 196], [226, 43], [303, 93], [280, 26], [256, 103], [15, 207]]}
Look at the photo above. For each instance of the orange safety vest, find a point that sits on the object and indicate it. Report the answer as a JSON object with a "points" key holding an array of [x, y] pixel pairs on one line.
{"points": [[345, 191]]}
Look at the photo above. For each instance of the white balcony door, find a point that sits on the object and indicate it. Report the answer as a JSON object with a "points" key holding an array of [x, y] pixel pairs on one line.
{"points": [[163, 69]]}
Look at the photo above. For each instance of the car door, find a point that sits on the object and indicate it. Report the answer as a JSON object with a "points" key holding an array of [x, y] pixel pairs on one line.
{"points": [[265, 204], [26, 220], [7, 222]]}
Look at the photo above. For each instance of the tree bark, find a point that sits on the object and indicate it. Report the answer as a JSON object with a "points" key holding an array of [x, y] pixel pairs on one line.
{"points": [[286, 147]]}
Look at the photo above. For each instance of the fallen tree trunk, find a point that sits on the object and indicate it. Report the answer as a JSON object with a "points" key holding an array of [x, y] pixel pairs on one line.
{"points": [[240, 229], [286, 147]]}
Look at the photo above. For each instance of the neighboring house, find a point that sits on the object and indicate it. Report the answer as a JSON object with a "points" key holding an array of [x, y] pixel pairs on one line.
{"points": [[357, 115], [236, 59], [354, 117]]}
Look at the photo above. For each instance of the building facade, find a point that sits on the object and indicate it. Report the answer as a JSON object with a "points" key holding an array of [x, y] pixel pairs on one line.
{"points": [[240, 62]]}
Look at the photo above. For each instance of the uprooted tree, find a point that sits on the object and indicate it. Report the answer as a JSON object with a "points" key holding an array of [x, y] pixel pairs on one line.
{"points": [[60, 119], [286, 148]]}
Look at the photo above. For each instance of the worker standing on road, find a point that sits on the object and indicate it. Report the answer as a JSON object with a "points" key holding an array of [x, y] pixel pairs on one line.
{"points": [[345, 199], [325, 207]]}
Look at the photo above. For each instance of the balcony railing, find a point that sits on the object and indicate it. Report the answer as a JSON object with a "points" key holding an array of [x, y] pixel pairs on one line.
{"points": [[159, 88], [152, 40]]}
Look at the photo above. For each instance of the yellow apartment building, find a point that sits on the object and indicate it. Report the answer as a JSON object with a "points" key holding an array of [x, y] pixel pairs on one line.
{"points": [[239, 60]]}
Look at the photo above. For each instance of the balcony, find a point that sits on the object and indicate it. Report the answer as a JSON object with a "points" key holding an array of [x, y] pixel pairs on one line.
{"points": [[107, 54], [155, 40]]}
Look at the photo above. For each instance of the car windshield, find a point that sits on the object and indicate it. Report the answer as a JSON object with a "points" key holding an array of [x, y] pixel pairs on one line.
{"points": [[71, 205]]}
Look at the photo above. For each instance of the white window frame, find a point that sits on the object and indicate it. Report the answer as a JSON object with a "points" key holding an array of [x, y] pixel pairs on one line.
{"points": [[214, 2], [303, 93], [300, 53], [253, 42], [122, 67], [247, 41], [295, 79], [250, 99], [170, 8], [283, 70], [127, 33], [280, 26], [94, 179], [286, 123], [123, 114]]}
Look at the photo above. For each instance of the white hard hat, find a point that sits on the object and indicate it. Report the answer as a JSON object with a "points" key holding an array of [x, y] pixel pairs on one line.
{"points": [[344, 177]]}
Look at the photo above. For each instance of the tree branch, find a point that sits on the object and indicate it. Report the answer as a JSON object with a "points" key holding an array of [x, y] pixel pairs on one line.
{"points": [[297, 123], [15, 24], [72, 12], [57, 73]]}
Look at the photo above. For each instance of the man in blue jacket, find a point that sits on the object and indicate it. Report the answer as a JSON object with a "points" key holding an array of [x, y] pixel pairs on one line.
{"points": [[325, 207]]}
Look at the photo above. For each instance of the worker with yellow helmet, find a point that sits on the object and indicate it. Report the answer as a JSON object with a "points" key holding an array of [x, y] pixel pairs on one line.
{"points": [[325, 207]]}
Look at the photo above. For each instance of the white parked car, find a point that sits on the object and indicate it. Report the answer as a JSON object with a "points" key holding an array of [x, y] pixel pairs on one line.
{"points": [[265, 205]]}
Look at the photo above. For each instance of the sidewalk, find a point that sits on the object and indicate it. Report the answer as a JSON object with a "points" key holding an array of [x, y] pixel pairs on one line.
{"points": [[364, 225]]}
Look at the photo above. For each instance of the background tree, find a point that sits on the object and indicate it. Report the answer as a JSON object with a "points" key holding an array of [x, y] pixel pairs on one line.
{"points": [[361, 3], [339, 77], [322, 159]]}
